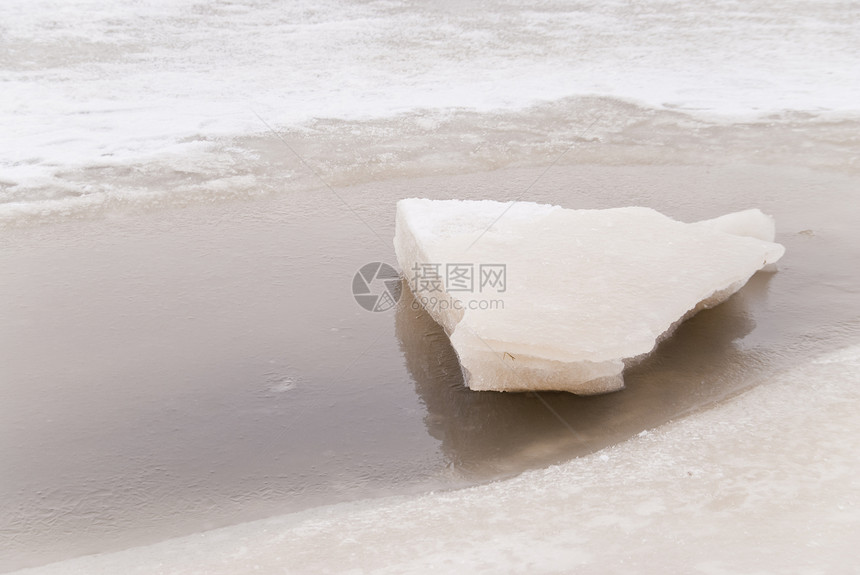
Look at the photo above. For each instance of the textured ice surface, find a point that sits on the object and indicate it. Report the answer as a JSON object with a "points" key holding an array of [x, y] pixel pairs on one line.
{"points": [[95, 91], [537, 297]]}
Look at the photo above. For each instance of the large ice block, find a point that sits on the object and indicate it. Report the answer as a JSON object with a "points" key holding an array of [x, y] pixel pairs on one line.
{"points": [[538, 297]]}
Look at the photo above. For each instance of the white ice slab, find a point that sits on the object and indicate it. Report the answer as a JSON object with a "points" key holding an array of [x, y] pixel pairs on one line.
{"points": [[583, 291]]}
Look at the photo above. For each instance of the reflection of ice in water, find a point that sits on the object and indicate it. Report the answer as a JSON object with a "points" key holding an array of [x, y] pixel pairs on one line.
{"points": [[485, 433]]}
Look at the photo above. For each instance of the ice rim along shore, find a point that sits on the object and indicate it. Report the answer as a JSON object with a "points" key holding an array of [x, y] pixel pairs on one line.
{"points": [[553, 518], [538, 297]]}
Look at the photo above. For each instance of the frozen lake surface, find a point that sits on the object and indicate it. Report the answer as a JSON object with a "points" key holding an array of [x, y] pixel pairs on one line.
{"points": [[187, 190], [173, 371]]}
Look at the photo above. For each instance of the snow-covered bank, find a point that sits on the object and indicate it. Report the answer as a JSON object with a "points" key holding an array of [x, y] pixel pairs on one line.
{"points": [[98, 96], [745, 486]]}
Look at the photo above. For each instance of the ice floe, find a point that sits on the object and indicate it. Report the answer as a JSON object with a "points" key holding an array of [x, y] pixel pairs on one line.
{"points": [[538, 297]]}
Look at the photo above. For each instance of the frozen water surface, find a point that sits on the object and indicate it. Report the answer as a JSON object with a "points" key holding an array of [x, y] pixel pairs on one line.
{"points": [[179, 370], [95, 92]]}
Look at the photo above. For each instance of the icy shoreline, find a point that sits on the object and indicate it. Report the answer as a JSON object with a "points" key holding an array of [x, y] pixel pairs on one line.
{"points": [[97, 99], [740, 486]]}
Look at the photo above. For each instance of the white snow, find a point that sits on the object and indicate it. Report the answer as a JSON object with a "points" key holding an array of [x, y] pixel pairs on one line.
{"points": [[89, 85], [585, 290]]}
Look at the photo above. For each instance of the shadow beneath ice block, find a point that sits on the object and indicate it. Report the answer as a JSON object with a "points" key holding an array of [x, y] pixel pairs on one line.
{"points": [[487, 434]]}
